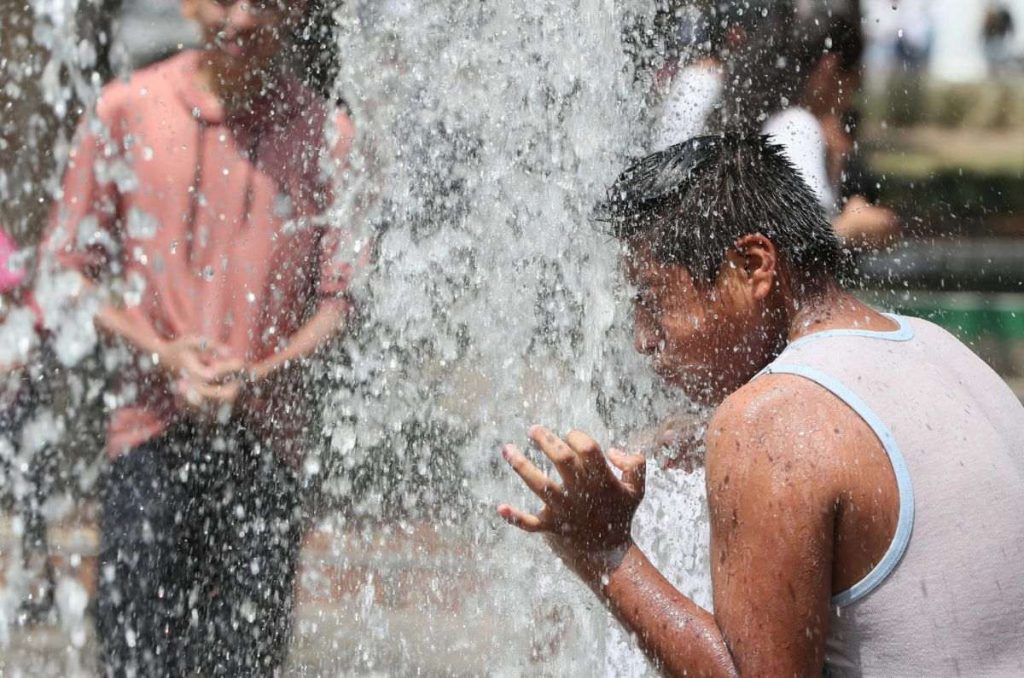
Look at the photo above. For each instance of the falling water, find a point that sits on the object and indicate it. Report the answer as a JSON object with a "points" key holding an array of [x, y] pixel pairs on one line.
{"points": [[495, 303], [486, 134]]}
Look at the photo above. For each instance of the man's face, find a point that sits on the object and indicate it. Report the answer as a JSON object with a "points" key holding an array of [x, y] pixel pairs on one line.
{"points": [[244, 34], [707, 340]]}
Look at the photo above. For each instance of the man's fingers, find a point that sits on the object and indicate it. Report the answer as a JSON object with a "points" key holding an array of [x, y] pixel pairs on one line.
{"points": [[225, 393], [201, 396], [560, 454], [217, 372], [668, 438], [542, 486], [634, 470], [220, 351], [587, 449], [188, 393], [228, 369], [230, 364], [521, 519], [633, 466], [193, 341], [196, 370]]}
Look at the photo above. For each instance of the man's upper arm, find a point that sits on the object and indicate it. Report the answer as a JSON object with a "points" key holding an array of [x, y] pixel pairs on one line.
{"points": [[343, 137], [80, 234], [341, 255], [770, 494]]}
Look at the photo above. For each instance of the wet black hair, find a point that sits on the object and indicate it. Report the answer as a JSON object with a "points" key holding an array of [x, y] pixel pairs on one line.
{"points": [[691, 202]]}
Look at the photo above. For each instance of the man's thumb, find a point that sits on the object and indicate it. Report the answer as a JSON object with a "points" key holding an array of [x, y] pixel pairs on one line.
{"points": [[633, 467]]}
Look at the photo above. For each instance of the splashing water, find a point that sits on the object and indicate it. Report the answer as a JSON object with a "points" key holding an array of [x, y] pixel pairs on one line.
{"points": [[490, 138], [496, 130], [486, 133]]}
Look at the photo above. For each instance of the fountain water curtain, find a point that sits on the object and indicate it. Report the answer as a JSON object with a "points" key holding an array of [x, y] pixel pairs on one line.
{"points": [[50, 68], [493, 130], [486, 134]]}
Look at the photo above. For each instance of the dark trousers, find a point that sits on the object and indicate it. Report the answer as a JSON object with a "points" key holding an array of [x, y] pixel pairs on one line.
{"points": [[22, 395], [200, 537]]}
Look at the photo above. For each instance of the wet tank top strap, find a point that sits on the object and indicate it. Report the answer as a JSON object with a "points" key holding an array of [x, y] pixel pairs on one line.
{"points": [[905, 524], [904, 332]]}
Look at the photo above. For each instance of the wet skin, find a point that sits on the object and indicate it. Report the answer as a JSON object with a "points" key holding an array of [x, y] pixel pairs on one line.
{"points": [[803, 500]]}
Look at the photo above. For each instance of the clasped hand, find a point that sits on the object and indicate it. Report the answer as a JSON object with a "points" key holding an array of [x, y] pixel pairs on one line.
{"points": [[204, 374], [589, 516]]}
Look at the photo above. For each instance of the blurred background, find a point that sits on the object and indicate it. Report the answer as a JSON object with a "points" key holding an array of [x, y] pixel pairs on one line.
{"points": [[944, 135], [938, 139], [941, 133]]}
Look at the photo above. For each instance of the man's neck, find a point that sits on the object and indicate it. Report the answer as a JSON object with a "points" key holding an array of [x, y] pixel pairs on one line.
{"points": [[831, 309], [236, 90], [834, 309]]}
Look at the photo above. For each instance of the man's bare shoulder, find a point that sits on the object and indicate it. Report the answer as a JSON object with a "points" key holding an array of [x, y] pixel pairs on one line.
{"points": [[772, 402], [780, 429]]}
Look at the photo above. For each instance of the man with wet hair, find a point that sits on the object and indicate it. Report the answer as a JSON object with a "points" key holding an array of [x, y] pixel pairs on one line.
{"points": [[199, 188], [865, 473]]}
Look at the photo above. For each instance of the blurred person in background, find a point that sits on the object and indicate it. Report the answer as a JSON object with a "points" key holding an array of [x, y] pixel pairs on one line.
{"points": [[696, 86], [796, 79], [899, 41], [997, 36], [807, 108], [193, 208], [707, 37]]}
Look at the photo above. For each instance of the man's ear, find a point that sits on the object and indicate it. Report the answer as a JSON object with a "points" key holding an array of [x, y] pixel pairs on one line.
{"points": [[759, 260]]}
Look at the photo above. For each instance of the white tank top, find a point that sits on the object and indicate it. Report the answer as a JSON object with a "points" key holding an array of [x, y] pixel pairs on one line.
{"points": [[948, 597]]}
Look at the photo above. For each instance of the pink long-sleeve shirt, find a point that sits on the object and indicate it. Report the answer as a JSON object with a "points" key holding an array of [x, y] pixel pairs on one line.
{"points": [[213, 216], [9, 277]]}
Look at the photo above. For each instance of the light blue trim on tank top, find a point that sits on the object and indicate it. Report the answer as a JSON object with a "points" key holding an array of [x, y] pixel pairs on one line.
{"points": [[905, 523], [904, 332]]}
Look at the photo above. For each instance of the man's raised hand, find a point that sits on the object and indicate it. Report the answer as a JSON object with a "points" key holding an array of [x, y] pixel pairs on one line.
{"points": [[591, 512]]}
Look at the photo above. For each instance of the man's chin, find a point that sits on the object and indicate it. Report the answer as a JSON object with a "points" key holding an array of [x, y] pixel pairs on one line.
{"points": [[694, 381], [234, 57]]}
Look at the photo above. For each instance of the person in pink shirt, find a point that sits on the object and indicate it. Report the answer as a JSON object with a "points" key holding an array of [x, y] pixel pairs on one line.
{"points": [[193, 202]]}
